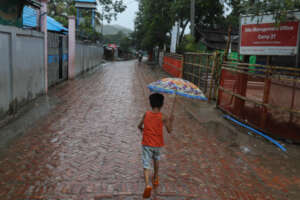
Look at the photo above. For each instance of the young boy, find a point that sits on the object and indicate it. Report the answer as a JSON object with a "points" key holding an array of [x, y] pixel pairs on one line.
{"points": [[153, 140]]}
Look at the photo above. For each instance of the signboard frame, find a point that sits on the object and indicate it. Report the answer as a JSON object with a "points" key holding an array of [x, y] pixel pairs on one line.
{"points": [[273, 49]]}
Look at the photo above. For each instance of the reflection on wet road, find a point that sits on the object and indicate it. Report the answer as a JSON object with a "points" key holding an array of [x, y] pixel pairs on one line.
{"points": [[88, 147]]}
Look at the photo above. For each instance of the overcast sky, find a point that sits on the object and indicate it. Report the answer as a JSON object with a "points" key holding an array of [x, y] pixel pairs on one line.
{"points": [[126, 18]]}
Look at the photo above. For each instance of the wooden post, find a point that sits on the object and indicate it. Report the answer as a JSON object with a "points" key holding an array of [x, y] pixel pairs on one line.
{"points": [[207, 68], [293, 99], [266, 96], [182, 68], [193, 62], [227, 44], [220, 83], [295, 78], [199, 73], [215, 57], [173, 106]]}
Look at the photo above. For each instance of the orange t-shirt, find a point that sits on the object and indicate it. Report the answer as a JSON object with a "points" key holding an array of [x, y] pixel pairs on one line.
{"points": [[153, 130]]}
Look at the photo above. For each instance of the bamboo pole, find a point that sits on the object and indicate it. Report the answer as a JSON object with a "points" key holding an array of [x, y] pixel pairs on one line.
{"points": [[173, 105], [227, 44], [265, 66], [206, 81], [215, 57], [258, 75], [199, 72], [183, 64]]}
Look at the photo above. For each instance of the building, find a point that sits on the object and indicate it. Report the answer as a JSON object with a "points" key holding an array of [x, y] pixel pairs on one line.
{"points": [[11, 11], [30, 20], [85, 6], [217, 40]]}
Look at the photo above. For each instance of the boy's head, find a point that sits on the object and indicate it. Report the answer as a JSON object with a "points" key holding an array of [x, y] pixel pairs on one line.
{"points": [[156, 100]]}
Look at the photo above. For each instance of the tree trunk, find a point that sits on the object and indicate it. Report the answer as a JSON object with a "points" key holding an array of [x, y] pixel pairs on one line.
{"points": [[150, 56], [182, 32]]}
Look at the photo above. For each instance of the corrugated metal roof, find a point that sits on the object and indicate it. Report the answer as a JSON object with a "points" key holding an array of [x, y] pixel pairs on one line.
{"points": [[86, 1], [34, 3], [29, 17], [30, 20]]}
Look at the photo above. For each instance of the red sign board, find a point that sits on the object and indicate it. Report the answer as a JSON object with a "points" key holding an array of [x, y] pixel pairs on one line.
{"points": [[114, 46], [269, 39]]}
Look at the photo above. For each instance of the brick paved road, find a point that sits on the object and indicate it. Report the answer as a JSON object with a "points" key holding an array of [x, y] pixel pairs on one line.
{"points": [[88, 147]]}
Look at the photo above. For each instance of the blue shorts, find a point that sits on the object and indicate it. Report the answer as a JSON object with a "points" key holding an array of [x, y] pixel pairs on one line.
{"points": [[149, 154]]}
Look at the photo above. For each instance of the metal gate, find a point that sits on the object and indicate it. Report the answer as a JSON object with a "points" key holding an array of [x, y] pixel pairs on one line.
{"points": [[57, 58]]}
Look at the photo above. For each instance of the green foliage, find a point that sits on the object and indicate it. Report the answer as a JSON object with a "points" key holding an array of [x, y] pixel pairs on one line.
{"points": [[189, 44], [208, 15], [61, 9], [116, 38], [156, 18], [152, 23], [125, 45], [279, 8], [124, 41]]}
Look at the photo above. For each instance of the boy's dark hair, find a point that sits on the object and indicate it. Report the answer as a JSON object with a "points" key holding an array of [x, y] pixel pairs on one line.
{"points": [[156, 100]]}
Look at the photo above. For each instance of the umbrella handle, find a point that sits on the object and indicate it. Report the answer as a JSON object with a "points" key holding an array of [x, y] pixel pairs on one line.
{"points": [[173, 106]]}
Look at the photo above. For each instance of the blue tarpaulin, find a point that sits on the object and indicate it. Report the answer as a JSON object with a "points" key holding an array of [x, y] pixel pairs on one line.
{"points": [[30, 20]]}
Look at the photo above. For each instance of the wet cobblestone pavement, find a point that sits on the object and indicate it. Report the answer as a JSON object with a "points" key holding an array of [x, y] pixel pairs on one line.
{"points": [[88, 147]]}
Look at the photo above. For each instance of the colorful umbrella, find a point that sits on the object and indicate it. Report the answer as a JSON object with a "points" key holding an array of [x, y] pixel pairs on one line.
{"points": [[177, 86]]}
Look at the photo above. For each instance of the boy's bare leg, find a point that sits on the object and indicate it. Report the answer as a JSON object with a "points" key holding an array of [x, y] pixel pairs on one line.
{"points": [[156, 168], [146, 176]]}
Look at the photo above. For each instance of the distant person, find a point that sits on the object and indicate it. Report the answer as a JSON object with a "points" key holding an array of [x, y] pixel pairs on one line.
{"points": [[151, 127], [140, 55]]}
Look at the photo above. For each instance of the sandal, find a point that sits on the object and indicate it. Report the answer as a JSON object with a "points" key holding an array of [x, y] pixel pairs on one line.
{"points": [[147, 192], [155, 183]]}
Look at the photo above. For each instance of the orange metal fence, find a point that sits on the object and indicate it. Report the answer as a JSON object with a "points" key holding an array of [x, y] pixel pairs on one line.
{"points": [[173, 64], [265, 97]]}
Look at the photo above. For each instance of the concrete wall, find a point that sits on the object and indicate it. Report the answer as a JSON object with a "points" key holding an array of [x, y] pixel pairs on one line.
{"points": [[21, 67], [87, 57], [53, 58]]}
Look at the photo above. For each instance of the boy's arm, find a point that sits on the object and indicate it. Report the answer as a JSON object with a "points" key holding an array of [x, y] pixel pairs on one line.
{"points": [[168, 122], [140, 126]]}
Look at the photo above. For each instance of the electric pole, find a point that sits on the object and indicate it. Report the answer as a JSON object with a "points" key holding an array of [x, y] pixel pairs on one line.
{"points": [[193, 18]]}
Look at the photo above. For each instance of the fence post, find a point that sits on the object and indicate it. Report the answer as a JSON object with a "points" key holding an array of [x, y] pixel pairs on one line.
{"points": [[220, 82], [215, 57], [228, 44], [206, 74], [241, 89], [293, 98], [45, 31], [266, 96], [72, 47], [182, 66]]}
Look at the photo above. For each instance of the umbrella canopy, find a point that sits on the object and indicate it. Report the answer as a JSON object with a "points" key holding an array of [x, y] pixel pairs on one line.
{"points": [[177, 86]]}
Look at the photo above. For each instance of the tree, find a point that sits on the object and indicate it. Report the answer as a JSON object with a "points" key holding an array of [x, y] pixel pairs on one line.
{"points": [[125, 44], [61, 9], [116, 38], [152, 23], [155, 19], [233, 18], [279, 8], [208, 14]]}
